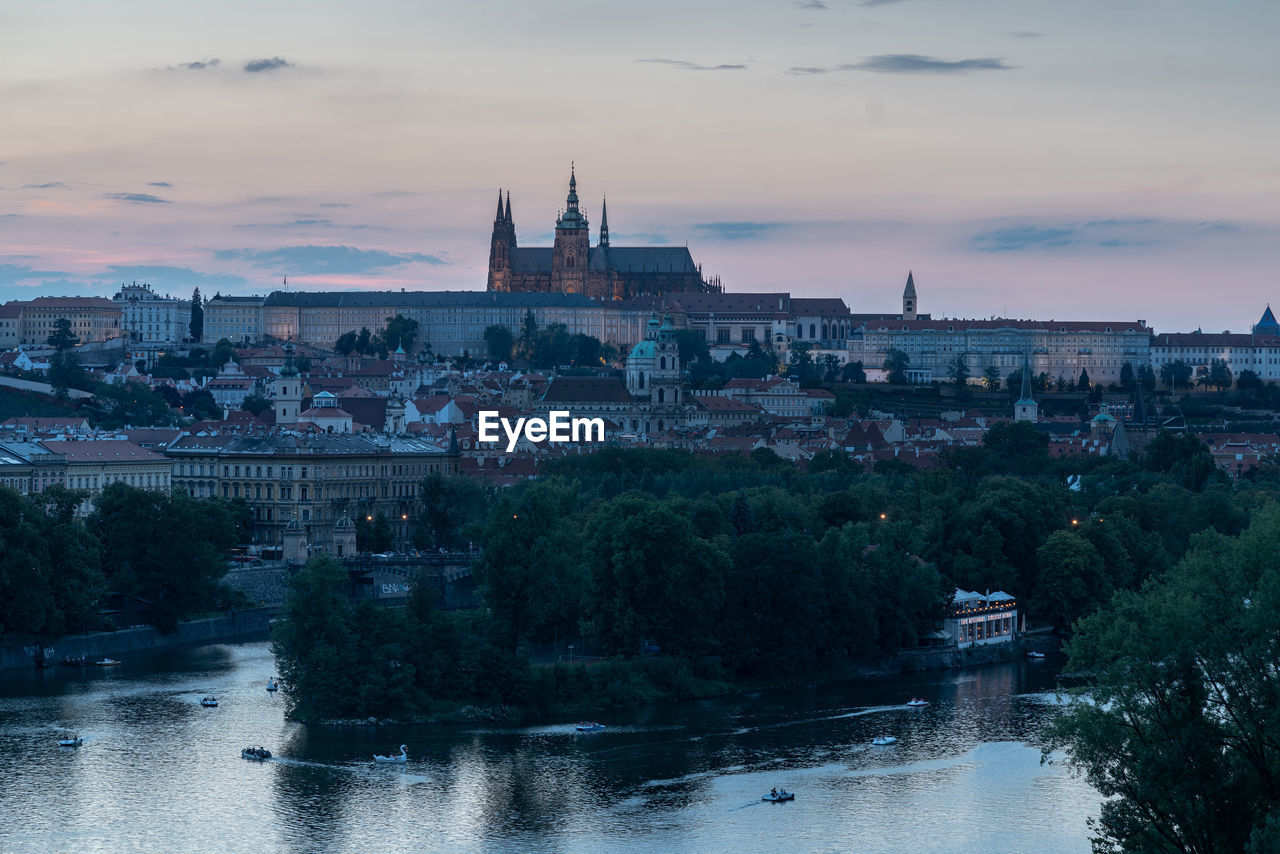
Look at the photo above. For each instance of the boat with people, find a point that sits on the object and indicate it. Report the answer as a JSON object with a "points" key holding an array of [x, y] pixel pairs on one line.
{"points": [[1035, 656], [917, 701], [272, 685], [71, 741], [588, 726], [107, 662], [74, 661], [777, 796], [258, 754], [883, 740], [209, 702], [402, 756]]}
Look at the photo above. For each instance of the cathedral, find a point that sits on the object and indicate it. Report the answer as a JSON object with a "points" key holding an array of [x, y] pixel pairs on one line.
{"points": [[574, 266]]}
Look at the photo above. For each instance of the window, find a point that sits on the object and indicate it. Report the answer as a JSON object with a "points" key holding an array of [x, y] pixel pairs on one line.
{"points": [[748, 334], [722, 336]]}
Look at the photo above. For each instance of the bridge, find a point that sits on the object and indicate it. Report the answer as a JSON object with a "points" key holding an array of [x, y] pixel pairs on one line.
{"points": [[388, 576]]}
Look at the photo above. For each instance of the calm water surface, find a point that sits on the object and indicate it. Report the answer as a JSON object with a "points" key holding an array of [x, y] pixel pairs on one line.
{"points": [[158, 772]]}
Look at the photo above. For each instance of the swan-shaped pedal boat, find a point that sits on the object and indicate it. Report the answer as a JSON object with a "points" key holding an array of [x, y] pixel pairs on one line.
{"points": [[403, 756]]}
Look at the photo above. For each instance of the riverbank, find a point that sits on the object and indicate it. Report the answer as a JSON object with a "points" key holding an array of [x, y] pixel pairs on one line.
{"points": [[567, 691], [246, 624]]}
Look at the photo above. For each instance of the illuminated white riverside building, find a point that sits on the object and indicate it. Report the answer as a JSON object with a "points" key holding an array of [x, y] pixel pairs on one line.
{"points": [[1059, 348], [975, 618]]}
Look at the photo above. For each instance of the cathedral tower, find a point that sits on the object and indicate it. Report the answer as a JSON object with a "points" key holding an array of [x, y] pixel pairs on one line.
{"points": [[500, 247], [909, 298], [572, 249]]}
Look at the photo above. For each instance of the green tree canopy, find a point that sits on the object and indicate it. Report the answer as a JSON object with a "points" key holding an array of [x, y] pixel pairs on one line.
{"points": [[895, 363], [62, 338], [500, 342], [1177, 729], [179, 576], [196, 326]]}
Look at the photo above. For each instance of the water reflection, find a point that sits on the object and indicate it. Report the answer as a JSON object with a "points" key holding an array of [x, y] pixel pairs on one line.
{"points": [[158, 771]]}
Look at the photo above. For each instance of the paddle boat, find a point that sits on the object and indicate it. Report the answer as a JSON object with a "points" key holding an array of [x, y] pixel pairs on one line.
{"points": [[916, 701], [272, 686], [1035, 656], [107, 662], [777, 796], [73, 741], [257, 754], [588, 726], [209, 702], [403, 756], [883, 740], [74, 661]]}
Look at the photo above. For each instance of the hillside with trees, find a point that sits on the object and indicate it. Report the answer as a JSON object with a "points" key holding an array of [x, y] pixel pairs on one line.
{"points": [[682, 575]]}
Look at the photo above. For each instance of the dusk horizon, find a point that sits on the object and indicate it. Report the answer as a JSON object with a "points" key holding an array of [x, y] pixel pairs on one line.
{"points": [[1024, 163]]}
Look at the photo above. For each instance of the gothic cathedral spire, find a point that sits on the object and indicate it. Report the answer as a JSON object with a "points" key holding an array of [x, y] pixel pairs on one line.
{"points": [[604, 223], [909, 298]]}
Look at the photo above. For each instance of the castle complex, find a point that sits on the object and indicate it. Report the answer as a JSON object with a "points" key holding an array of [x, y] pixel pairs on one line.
{"points": [[574, 266]]}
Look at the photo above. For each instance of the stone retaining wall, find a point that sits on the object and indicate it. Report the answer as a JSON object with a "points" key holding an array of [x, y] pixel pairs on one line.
{"points": [[236, 624]]}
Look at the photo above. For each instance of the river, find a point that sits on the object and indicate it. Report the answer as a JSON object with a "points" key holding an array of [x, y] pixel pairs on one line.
{"points": [[158, 772]]}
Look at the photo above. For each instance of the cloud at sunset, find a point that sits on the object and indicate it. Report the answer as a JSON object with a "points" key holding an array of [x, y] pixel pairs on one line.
{"points": [[326, 259]]}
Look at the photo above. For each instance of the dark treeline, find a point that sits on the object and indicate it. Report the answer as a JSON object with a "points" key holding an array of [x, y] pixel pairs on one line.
{"points": [[690, 573], [169, 551]]}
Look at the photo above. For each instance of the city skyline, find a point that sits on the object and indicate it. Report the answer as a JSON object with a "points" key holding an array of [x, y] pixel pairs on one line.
{"points": [[1025, 160]]}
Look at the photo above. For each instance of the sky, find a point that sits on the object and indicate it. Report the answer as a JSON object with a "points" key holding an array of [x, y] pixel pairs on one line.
{"points": [[1083, 160]]}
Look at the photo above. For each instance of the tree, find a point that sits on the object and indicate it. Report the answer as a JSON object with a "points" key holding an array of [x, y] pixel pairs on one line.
{"points": [[499, 341], [1083, 383], [346, 343], [1127, 379], [829, 367], [62, 338], [1071, 578], [454, 510], [587, 350], [315, 644], [958, 370], [199, 403], [530, 572], [895, 363], [364, 341], [1175, 374], [1248, 381], [1219, 374], [528, 331], [693, 346], [401, 332], [65, 372], [802, 367], [179, 575], [1147, 378], [223, 352], [196, 327], [256, 404], [374, 535], [991, 378], [653, 578], [853, 372], [1176, 730]]}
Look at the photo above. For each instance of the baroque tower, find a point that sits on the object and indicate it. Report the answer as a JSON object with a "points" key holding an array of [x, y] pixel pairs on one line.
{"points": [[572, 247]]}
